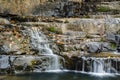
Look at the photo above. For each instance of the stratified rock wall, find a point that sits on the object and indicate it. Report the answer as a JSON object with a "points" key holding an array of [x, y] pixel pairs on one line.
{"points": [[57, 8]]}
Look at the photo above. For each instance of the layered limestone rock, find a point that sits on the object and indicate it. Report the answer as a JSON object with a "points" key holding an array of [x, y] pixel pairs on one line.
{"points": [[70, 38], [59, 8]]}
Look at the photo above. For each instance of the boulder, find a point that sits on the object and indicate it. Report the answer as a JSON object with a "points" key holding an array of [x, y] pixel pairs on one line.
{"points": [[93, 47], [96, 47], [110, 37], [4, 21]]}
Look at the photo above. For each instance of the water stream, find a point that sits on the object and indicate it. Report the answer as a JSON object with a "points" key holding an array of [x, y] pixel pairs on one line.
{"points": [[99, 65], [40, 42], [45, 60]]}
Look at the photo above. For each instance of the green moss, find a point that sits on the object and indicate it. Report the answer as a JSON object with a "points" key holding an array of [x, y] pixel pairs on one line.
{"points": [[55, 30], [113, 45], [35, 62], [103, 9], [52, 29]]}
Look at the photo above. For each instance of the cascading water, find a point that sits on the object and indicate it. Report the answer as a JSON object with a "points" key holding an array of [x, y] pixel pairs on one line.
{"points": [[4, 63], [40, 42], [99, 65]]}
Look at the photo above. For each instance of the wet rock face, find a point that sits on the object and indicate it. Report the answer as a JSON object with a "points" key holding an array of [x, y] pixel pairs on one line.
{"points": [[34, 63], [31, 63], [91, 64], [11, 64]]}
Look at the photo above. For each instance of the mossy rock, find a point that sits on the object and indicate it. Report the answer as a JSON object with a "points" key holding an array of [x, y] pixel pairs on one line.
{"points": [[113, 45], [35, 62], [103, 9], [54, 30]]}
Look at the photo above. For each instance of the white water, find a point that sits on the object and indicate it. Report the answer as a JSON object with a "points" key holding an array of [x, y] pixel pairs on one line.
{"points": [[4, 63], [40, 42], [100, 65]]}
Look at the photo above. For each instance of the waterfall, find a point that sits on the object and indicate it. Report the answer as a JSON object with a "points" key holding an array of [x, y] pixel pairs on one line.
{"points": [[4, 62], [99, 65], [40, 42]]}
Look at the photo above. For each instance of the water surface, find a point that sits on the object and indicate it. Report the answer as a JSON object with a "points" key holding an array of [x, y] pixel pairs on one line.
{"points": [[60, 76]]}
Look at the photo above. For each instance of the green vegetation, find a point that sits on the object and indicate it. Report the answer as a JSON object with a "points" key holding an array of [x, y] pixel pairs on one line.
{"points": [[113, 45], [103, 9], [35, 62], [54, 30], [107, 9]]}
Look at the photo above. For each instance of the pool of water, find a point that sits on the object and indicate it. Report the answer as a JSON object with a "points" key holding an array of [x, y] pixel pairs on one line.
{"points": [[61, 76]]}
